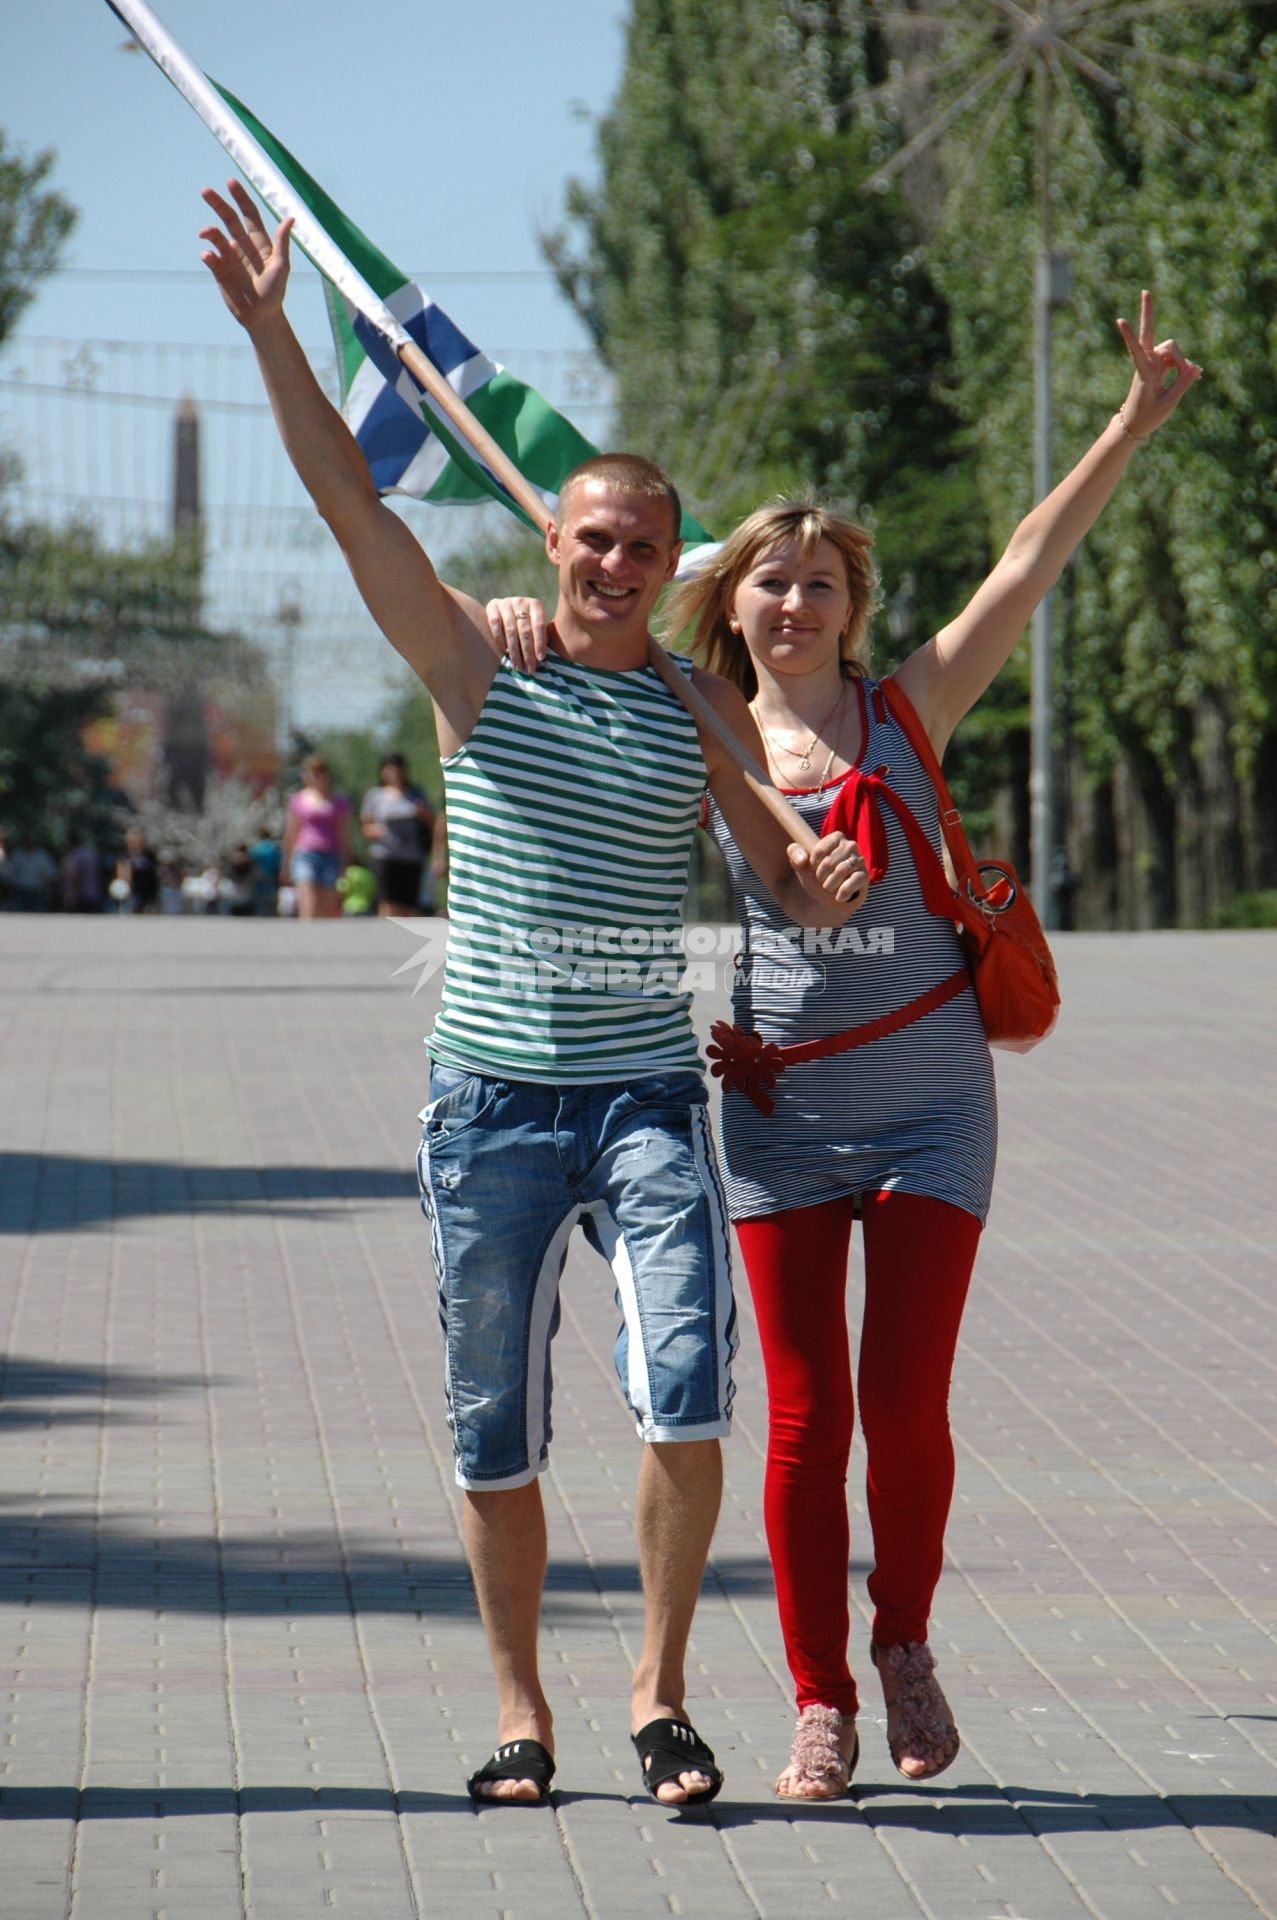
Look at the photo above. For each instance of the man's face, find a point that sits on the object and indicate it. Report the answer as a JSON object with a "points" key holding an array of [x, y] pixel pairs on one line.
{"points": [[614, 552]]}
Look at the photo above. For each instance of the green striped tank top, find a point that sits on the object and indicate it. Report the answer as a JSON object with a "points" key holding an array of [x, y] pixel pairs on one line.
{"points": [[570, 811]]}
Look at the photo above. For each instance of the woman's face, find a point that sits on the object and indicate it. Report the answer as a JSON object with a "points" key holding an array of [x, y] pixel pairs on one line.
{"points": [[392, 775], [319, 778], [791, 612]]}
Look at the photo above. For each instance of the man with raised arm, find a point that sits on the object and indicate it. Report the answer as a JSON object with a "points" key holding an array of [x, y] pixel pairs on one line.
{"points": [[565, 1081]]}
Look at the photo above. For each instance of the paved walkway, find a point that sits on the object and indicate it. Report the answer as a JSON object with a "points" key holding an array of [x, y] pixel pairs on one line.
{"points": [[246, 1674]]}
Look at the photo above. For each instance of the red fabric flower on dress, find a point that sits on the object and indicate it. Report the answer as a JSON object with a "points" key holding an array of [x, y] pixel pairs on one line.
{"points": [[745, 1063]]}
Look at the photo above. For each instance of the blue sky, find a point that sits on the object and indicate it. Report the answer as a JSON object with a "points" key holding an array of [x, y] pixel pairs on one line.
{"points": [[448, 133]]}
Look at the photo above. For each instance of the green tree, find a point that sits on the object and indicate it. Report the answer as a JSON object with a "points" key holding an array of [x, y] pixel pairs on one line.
{"points": [[44, 768], [35, 224], [768, 323], [51, 785], [767, 320], [1167, 624], [78, 620], [67, 599]]}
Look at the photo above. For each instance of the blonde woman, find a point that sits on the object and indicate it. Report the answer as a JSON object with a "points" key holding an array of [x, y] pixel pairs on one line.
{"points": [[899, 1133]]}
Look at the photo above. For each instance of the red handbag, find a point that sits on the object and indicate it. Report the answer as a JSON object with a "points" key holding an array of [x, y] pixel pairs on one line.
{"points": [[1011, 966], [1007, 960]]}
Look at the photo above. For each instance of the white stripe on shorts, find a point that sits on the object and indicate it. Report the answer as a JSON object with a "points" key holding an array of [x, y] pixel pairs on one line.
{"points": [[638, 1379], [544, 1295], [726, 1337]]}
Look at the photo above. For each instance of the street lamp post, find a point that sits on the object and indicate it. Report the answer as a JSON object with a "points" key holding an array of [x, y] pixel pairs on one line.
{"points": [[288, 617], [900, 611], [1052, 289]]}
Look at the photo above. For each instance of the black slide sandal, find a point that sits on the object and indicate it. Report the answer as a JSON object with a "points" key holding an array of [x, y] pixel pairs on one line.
{"points": [[667, 1748], [516, 1760]]}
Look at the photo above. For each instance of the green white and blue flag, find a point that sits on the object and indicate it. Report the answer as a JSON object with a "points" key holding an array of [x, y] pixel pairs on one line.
{"points": [[410, 446]]}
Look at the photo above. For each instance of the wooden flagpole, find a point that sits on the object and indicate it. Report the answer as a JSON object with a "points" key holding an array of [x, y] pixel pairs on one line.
{"points": [[261, 171], [454, 408], [219, 115]]}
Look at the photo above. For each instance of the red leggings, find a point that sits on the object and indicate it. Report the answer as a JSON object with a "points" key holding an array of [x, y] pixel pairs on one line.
{"points": [[918, 1259]]}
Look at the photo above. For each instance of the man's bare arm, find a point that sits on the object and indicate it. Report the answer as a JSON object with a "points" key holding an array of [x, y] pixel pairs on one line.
{"points": [[443, 635]]}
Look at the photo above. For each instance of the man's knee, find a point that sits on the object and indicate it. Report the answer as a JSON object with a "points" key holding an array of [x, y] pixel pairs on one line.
{"points": [[500, 1503], [687, 1461]]}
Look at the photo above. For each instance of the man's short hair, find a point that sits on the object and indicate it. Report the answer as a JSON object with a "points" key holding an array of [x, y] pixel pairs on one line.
{"points": [[627, 473]]}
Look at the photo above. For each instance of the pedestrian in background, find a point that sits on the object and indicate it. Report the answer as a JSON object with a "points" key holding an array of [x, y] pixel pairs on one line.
{"points": [[266, 866], [137, 875], [173, 895], [81, 877], [241, 877], [398, 825], [316, 842], [30, 872]]}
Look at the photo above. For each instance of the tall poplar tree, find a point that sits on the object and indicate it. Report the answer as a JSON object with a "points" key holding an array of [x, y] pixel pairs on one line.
{"points": [[768, 323], [1167, 620], [35, 223]]}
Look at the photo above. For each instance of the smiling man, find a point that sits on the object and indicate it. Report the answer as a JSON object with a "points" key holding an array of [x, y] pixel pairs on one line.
{"points": [[564, 1090]]}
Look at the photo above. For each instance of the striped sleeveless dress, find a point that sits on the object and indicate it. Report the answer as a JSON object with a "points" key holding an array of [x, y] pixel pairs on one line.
{"points": [[571, 810], [914, 1111]]}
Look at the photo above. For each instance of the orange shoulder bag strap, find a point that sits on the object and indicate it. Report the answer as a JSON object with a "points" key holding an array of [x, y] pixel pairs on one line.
{"points": [[906, 718]]}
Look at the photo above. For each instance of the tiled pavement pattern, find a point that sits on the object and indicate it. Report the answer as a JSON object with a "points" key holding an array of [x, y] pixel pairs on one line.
{"points": [[246, 1674]]}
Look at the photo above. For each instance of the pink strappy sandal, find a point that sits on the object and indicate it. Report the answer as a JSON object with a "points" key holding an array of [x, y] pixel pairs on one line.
{"points": [[816, 1759], [919, 1723]]}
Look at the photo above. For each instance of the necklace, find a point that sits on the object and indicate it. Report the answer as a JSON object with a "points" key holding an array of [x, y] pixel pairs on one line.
{"points": [[803, 755]]}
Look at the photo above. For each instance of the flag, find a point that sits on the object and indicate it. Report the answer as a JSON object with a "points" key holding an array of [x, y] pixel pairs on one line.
{"points": [[410, 446]]}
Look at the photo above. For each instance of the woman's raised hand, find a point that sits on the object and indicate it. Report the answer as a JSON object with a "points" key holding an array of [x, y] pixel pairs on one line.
{"points": [[249, 267], [519, 625], [1153, 397]]}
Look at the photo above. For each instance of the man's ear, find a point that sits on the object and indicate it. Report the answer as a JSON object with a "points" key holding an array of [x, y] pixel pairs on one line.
{"points": [[675, 555], [552, 543]]}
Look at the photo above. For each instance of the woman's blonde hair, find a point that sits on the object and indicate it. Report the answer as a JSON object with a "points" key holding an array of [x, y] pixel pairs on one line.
{"points": [[704, 603]]}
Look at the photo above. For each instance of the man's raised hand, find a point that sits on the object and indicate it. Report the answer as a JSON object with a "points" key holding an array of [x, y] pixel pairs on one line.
{"points": [[1153, 397], [249, 267]]}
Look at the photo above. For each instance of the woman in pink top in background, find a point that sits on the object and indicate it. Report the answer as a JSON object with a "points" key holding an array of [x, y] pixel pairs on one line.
{"points": [[316, 842]]}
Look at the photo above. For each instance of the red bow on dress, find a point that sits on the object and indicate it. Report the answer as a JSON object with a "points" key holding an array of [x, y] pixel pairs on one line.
{"points": [[857, 813]]}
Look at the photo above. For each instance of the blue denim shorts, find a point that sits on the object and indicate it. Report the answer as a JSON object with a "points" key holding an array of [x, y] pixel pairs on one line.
{"points": [[315, 869], [507, 1169]]}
